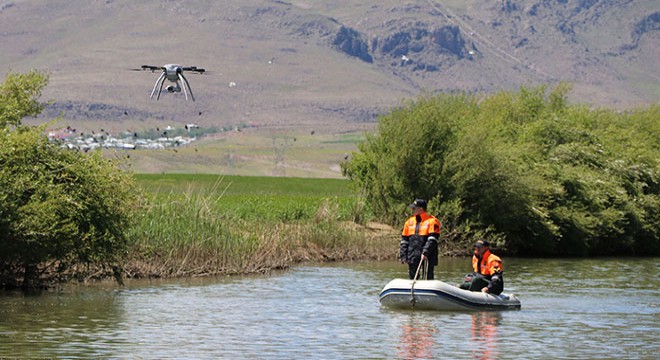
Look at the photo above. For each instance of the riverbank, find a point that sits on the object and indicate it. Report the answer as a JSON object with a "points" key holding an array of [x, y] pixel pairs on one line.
{"points": [[192, 225], [202, 225], [278, 246], [271, 247]]}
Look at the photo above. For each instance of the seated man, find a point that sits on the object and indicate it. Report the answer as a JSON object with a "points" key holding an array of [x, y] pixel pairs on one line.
{"points": [[488, 272]]}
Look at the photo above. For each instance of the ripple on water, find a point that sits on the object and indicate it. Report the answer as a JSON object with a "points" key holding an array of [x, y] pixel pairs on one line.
{"points": [[332, 311]]}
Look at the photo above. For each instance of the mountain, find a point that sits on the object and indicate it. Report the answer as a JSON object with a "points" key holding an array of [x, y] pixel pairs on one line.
{"points": [[326, 65]]}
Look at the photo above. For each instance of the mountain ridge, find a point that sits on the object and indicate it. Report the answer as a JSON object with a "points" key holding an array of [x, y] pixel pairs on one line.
{"points": [[288, 68], [391, 49]]}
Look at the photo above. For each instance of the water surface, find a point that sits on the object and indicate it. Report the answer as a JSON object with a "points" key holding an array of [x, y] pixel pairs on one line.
{"points": [[575, 308]]}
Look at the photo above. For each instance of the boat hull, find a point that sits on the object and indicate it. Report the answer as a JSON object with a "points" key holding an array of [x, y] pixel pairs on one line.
{"points": [[437, 295]]}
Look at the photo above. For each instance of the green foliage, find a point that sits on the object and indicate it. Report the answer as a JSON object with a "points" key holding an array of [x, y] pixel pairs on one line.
{"points": [[176, 222], [527, 170], [57, 207], [18, 97], [395, 166]]}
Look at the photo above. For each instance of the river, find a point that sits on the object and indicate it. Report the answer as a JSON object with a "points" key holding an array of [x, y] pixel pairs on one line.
{"points": [[571, 308]]}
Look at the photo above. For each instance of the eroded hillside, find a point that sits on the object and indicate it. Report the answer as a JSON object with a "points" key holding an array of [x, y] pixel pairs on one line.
{"points": [[291, 67]]}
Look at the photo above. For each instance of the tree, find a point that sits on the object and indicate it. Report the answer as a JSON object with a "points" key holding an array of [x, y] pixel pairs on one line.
{"points": [[405, 159], [58, 207], [528, 171], [19, 97]]}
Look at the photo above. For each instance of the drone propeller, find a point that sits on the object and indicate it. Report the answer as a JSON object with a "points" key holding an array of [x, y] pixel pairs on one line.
{"points": [[151, 67], [190, 69], [147, 67], [194, 69]]}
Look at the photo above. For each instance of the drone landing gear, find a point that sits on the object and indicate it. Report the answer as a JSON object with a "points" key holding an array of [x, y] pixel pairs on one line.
{"points": [[186, 85], [172, 88], [161, 80]]}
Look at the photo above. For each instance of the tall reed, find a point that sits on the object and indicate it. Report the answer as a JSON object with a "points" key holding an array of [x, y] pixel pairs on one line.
{"points": [[205, 232]]}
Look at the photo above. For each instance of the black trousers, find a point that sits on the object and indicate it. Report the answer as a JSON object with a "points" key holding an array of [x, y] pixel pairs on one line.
{"points": [[476, 282], [412, 269]]}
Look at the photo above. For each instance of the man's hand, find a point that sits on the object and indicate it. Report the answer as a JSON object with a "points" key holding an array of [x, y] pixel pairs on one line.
{"points": [[485, 290], [424, 257]]}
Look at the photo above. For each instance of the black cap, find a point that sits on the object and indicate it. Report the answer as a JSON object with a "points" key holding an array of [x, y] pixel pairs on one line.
{"points": [[418, 203], [481, 243]]}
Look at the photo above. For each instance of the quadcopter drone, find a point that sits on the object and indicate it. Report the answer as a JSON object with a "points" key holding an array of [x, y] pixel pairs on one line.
{"points": [[173, 73]]}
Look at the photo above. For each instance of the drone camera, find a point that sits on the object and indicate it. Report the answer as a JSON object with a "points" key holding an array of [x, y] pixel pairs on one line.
{"points": [[173, 88]]}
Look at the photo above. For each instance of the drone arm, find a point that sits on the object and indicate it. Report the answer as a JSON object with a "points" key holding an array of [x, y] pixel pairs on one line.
{"points": [[186, 84], [150, 67], [161, 79]]}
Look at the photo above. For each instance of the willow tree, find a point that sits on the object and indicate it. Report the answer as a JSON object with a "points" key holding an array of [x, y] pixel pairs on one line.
{"points": [[58, 207], [19, 96], [525, 169]]}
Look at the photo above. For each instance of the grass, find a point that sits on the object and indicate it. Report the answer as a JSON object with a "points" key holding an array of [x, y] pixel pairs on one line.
{"points": [[244, 185], [195, 225], [254, 197], [251, 152]]}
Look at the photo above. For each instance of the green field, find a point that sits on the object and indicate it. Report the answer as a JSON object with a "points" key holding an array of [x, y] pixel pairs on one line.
{"points": [[255, 197], [244, 185]]}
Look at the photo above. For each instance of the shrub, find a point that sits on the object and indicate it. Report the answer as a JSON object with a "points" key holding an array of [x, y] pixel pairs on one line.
{"points": [[57, 207], [534, 174]]}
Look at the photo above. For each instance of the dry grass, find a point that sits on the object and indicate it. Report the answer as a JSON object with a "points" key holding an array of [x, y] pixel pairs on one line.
{"points": [[284, 245], [252, 152]]}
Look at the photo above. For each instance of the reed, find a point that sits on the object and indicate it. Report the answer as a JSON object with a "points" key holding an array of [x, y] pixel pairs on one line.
{"points": [[210, 228]]}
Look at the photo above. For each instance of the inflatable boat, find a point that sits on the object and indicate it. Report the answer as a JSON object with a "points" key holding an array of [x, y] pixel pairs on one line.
{"points": [[437, 295]]}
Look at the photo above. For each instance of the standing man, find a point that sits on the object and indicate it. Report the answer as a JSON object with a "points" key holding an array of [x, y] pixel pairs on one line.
{"points": [[419, 240], [488, 274]]}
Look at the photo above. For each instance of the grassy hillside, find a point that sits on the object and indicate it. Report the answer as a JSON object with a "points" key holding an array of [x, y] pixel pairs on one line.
{"points": [[325, 66], [257, 152]]}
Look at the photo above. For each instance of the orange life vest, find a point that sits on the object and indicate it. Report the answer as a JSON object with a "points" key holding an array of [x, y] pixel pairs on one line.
{"points": [[490, 264], [416, 239], [428, 225]]}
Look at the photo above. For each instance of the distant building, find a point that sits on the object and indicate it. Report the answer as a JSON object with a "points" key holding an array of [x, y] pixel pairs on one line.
{"points": [[61, 134]]}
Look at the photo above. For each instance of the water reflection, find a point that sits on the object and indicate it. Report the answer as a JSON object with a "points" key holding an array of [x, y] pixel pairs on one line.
{"points": [[418, 339], [484, 335], [56, 323], [332, 312]]}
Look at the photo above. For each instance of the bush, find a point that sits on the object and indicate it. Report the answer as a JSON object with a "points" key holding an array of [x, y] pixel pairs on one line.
{"points": [[57, 207], [530, 172]]}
